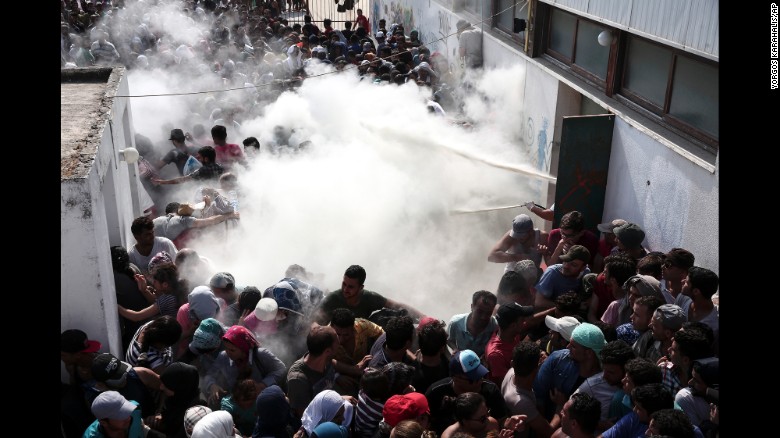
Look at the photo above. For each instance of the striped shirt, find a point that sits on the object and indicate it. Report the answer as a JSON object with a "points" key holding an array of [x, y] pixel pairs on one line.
{"points": [[368, 416], [152, 358], [168, 304]]}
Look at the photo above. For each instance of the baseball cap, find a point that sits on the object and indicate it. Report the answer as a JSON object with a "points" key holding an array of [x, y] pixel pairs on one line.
{"points": [[112, 405], [589, 336], [222, 280], [404, 407], [608, 227], [106, 367], [208, 335], [511, 311], [521, 224], [266, 309], [466, 362], [380, 34], [75, 341], [564, 325], [203, 303], [576, 252], [192, 415], [462, 24], [671, 316], [177, 134], [631, 235], [644, 284]]}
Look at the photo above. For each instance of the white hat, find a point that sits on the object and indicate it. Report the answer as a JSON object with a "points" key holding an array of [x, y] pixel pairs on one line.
{"points": [[609, 227], [380, 34], [266, 309], [564, 325]]}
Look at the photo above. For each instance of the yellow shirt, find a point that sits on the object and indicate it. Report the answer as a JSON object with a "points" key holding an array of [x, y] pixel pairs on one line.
{"points": [[365, 332]]}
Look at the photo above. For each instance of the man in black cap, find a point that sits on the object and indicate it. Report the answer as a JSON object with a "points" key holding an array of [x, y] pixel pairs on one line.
{"points": [[561, 278], [180, 152], [134, 383], [498, 353], [628, 238]]}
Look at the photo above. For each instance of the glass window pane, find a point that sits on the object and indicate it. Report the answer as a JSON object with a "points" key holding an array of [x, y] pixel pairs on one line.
{"points": [[506, 18], [591, 55], [695, 94], [647, 70], [562, 33], [472, 6]]}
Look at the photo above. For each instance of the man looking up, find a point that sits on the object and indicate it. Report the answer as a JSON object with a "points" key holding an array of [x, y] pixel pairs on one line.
{"points": [[352, 296]]}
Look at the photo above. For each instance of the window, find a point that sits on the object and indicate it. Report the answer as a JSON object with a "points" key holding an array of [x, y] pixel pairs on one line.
{"points": [[681, 89], [473, 6], [674, 85], [505, 12], [574, 41]]}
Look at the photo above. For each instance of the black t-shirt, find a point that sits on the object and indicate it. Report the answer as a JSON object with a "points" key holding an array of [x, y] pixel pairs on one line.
{"points": [[425, 376], [442, 417], [369, 302]]}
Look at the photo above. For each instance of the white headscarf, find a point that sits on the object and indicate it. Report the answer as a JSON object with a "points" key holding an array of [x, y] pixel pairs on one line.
{"points": [[323, 408], [218, 424]]}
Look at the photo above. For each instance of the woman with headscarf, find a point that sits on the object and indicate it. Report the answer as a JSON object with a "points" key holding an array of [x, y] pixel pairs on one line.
{"points": [[243, 358], [326, 406], [274, 417], [330, 430], [179, 383], [218, 424]]}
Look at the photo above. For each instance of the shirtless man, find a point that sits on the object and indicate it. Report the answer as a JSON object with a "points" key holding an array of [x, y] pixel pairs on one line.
{"points": [[522, 242]]}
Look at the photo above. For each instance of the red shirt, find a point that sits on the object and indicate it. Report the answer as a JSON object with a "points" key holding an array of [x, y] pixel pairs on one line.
{"points": [[362, 20], [498, 356], [228, 154]]}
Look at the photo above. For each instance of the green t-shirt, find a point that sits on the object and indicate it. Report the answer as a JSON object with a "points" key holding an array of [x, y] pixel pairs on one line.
{"points": [[369, 302]]}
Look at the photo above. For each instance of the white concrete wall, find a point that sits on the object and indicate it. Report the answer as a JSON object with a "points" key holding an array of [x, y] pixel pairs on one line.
{"points": [[95, 213]]}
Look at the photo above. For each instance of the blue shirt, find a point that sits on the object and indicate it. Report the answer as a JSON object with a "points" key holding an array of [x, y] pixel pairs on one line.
{"points": [[553, 283], [627, 427], [461, 339], [558, 371], [136, 426]]}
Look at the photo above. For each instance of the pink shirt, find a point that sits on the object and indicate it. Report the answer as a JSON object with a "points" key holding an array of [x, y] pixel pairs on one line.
{"points": [[228, 154]]}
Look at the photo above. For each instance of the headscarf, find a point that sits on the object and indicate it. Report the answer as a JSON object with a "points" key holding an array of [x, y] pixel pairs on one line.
{"points": [[218, 424], [273, 413], [331, 430], [203, 303], [182, 379], [158, 259], [242, 338], [208, 335], [323, 408]]}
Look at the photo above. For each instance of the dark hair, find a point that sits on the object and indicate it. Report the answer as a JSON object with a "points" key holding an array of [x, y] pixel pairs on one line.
{"points": [[141, 224], [248, 298], [682, 258], [609, 330], [400, 376], [673, 422], [586, 410], [568, 303], [642, 371], [162, 330], [342, 318], [432, 338], [525, 358], [219, 132], [693, 344], [616, 353], [483, 295], [399, 331], [704, 280], [244, 388], [573, 220], [467, 404], [651, 265], [120, 261], [208, 152], [356, 272], [704, 328], [251, 142], [375, 384], [511, 283], [652, 302], [319, 339], [653, 397], [620, 266], [172, 207]]}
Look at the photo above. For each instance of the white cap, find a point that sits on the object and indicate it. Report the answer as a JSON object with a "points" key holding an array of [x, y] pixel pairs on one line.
{"points": [[266, 309], [564, 325]]}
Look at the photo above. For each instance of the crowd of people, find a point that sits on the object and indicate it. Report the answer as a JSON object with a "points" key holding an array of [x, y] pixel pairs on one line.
{"points": [[567, 345], [583, 335]]}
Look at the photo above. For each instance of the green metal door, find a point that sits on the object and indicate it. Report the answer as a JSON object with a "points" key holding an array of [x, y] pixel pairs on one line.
{"points": [[586, 143]]}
